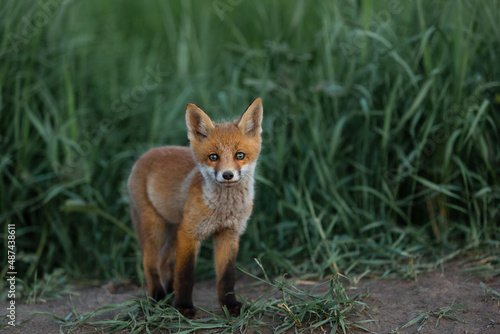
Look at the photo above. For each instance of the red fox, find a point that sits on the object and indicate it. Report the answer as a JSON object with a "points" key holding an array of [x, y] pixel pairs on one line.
{"points": [[180, 195]]}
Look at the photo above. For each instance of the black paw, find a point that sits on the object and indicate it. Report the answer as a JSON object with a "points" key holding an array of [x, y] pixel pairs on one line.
{"points": [[233, 307], [158, 294], [187, 311]]}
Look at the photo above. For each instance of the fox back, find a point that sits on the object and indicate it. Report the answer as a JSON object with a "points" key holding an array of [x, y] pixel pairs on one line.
{"points": [[179, 196]]}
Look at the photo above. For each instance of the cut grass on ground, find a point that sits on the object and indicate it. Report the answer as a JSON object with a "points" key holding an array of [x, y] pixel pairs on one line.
{"points": [[283, 307]]}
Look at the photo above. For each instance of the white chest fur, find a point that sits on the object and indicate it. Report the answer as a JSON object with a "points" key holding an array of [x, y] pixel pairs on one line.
{"points": [[230, 207]]}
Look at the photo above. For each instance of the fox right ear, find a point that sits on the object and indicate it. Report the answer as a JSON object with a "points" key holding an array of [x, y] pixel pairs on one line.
{"points": [[250, 123], [198, 123]]}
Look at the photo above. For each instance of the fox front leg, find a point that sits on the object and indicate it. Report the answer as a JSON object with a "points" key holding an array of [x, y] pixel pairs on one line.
{"points": [[187, 249], [226, 249]]}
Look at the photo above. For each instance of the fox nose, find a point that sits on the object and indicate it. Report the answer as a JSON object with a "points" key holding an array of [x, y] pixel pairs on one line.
{"points": [[228, 175]]}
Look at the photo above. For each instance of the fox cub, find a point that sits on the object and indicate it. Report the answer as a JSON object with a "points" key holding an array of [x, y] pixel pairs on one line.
{"points": [[180, 195]]}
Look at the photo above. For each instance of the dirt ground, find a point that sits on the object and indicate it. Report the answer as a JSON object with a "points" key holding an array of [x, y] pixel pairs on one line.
{"points": [[391, 303]]}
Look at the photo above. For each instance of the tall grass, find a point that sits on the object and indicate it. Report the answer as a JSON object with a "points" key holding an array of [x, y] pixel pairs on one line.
{"points": [[380, 130]]}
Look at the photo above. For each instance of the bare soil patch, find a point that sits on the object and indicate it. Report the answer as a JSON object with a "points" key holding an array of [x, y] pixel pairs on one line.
{"points": [[392, 303]]}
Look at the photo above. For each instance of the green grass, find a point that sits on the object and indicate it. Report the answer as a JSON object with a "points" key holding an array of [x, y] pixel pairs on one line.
{"points": [[283, 307], [381, 128], [490, 293], [50, 286], [439, 313]]}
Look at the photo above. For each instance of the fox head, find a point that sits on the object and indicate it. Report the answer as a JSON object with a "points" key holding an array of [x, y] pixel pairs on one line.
{"points": [[226, 152]]}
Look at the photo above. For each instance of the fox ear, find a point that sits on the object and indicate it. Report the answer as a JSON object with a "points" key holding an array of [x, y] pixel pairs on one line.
{"points": [[250, 123], [198, 123]]}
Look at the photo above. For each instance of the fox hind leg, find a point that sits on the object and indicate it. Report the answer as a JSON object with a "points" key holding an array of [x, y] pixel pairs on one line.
{"points": [[152, 231], [168, 255]]}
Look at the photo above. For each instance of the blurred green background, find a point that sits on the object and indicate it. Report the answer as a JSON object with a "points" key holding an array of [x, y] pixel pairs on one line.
{"points": [[381, 127]]}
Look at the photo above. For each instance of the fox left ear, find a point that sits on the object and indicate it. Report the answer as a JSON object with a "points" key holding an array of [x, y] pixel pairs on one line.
{"points": [[250, 122], [198, 123]]}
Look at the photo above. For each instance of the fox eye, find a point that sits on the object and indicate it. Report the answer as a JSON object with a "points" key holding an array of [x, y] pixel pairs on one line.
{"points": [[240, 155], [213, 157]]}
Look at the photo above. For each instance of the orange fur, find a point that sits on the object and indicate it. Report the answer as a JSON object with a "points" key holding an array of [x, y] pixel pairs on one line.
{"points": [[179, 196]]}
